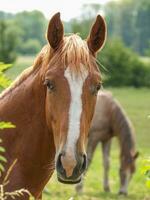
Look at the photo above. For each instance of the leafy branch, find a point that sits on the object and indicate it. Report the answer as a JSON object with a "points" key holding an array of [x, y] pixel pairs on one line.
{"points": [[146, 171], [4, 81]]}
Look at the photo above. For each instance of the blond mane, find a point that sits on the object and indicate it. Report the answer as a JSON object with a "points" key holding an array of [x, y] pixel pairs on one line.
{"points": [[72, 52]]}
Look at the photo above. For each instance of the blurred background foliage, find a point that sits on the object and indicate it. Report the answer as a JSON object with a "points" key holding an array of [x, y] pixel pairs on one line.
{"points": [[127, 51]]}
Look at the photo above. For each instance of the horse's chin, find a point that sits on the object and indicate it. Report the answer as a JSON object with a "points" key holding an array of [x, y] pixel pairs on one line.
{"points": [[68, 181]]}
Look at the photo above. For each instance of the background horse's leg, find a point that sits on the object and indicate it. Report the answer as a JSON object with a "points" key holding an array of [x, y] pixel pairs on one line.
{"points": [[92, 144], [124, 181], [106, 162]]}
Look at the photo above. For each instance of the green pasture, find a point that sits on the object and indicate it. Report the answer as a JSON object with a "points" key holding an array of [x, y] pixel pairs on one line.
{"points": [[19, 66], [136, 102]]}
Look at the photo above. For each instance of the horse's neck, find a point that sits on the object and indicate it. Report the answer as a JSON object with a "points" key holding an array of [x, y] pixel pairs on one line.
{"points": [[24, 106], [123, 129], [31, 142], [23, 100]]}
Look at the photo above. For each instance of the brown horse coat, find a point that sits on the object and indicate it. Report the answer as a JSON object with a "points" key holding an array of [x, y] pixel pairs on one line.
{"points": [[52, 104]]}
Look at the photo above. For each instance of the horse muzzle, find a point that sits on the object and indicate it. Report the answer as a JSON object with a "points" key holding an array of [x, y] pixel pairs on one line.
{"points": [[70, 171]]}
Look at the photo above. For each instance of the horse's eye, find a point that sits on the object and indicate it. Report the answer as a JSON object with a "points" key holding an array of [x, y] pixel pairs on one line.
{"points": [[98, 87], [50, 85], [95, 88]]}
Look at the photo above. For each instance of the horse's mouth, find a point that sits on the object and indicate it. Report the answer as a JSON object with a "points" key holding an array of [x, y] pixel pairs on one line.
{"points": [[69, 181]]}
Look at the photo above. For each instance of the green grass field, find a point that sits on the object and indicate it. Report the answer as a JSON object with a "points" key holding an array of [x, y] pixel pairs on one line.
{"points": [[19, 66], [136, 102]]}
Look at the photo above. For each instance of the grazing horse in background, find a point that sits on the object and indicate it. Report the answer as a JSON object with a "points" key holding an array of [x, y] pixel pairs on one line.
{"points": [[110, 120], [52, 105]]}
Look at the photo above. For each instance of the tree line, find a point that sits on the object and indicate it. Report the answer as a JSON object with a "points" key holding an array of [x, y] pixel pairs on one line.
{"points": [[22, 33], [128, 20]]}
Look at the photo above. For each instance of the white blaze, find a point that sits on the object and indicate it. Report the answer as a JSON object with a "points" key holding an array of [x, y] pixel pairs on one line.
{"points": [[76, 83]]}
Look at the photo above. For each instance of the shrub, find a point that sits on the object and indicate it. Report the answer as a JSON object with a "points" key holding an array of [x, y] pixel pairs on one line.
{"points": [[8, 42], [124, 66]]}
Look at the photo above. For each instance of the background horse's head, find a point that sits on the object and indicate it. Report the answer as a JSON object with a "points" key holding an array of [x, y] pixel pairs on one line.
{"points": [[73, 80]]}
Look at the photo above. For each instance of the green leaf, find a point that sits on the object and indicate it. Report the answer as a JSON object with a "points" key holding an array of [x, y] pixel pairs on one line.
{"points": [[2, 149], [2, 158], [146, 171], [2, 169], [4, 67], [148, 183], [4, 125], [4, 81]]}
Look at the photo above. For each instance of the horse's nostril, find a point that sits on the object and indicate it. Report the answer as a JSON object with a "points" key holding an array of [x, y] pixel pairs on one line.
{"points": [[84, 163], [59, 166]]}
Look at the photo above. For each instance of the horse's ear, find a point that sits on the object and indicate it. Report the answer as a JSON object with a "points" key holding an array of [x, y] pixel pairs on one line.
{"points": [[97, 36], [136, 155], [55, 31]]}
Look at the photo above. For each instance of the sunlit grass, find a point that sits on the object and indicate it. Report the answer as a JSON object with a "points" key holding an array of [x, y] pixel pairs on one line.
{"points": [[21, 63]]}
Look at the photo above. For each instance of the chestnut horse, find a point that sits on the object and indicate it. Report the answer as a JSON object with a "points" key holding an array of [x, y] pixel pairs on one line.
{"points": [[52, 104], [110, 120]]}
